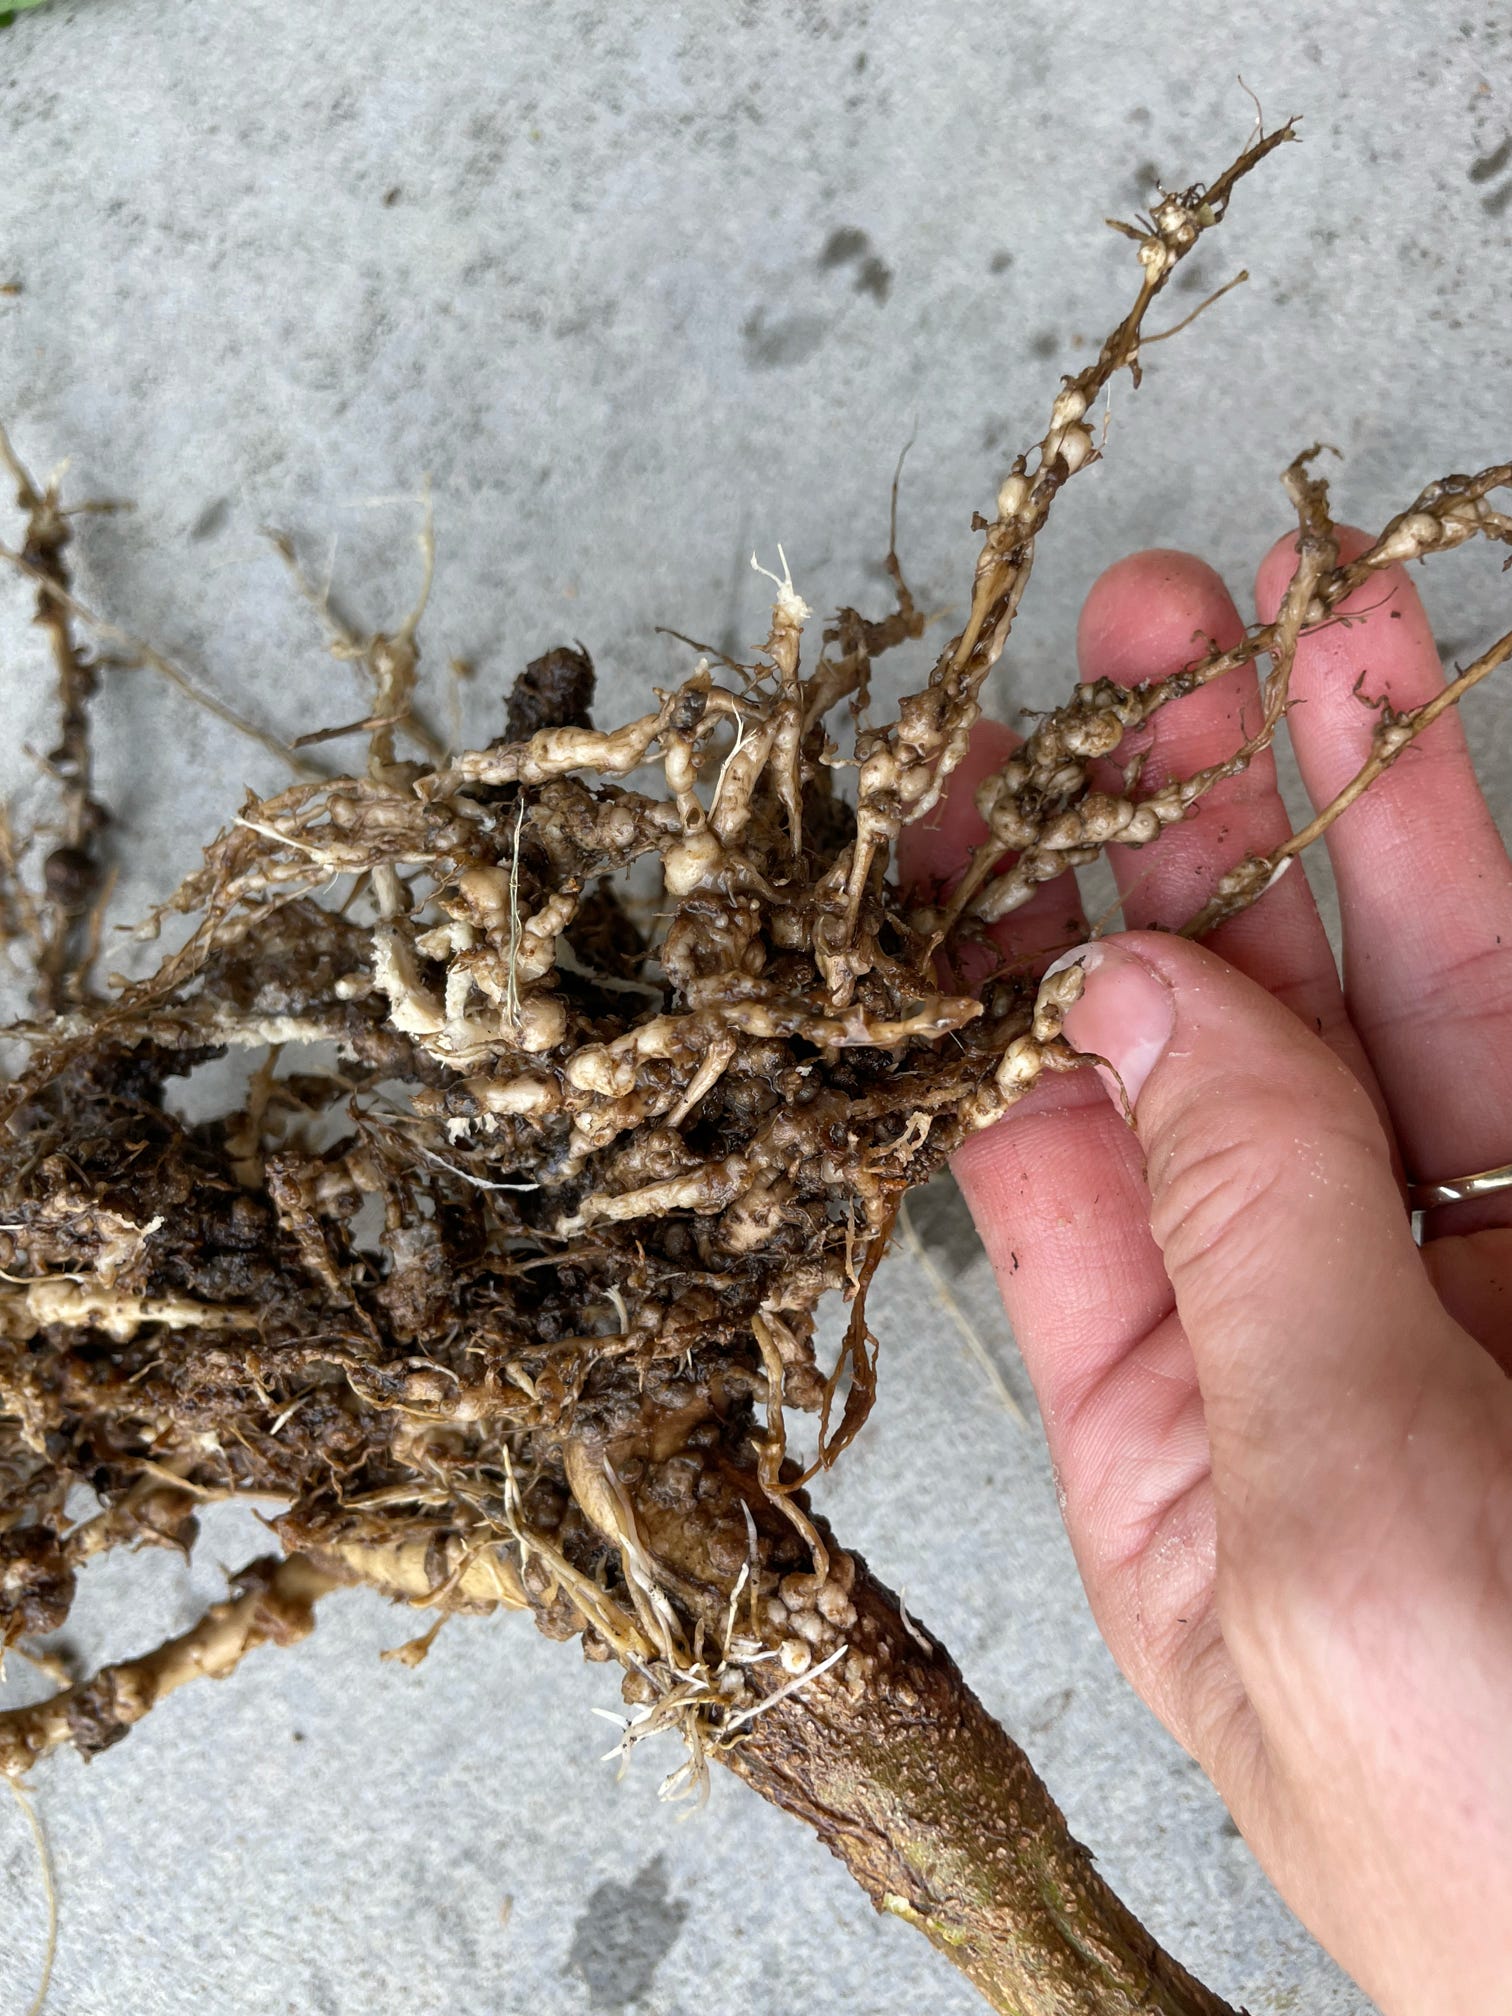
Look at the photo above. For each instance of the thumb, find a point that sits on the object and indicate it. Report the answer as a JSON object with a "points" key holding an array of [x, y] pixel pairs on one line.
{"points": [[1312, 1323]]}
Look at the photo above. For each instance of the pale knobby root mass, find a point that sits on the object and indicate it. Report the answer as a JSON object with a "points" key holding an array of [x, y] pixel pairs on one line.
{"points": [[621, 1140]]}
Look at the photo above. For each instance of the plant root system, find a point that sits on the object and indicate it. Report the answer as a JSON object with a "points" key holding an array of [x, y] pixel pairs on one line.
{"points": [[633, 1047]]}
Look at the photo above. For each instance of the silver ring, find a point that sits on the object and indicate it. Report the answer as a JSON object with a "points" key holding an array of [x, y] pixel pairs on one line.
{"points": [[1457, 1189]]}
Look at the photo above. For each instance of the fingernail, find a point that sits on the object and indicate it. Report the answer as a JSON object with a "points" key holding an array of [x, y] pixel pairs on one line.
{"points": [[1125, 1014]]}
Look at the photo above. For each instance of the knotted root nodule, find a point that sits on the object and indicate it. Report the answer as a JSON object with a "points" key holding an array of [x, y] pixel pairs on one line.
{"points": [[620, 1153]]}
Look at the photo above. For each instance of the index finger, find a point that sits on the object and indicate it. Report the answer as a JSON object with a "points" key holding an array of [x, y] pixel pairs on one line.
{"points": [[1058, 1196]]}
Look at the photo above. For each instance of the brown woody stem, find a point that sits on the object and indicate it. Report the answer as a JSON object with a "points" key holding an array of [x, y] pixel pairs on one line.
{"points": [[933, 1808], [942, 1820], [893, 1761]]}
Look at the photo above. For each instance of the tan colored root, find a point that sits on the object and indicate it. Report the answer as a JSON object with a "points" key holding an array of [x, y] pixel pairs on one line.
{"points": [[274, 1604], [904, 771], [49, 1896], [483, 1578], [1395, 732], [164, 667], [1041, 804]]}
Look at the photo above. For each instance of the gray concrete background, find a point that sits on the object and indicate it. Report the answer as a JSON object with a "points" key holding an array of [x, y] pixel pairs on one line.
{"points": [[599, 271]]}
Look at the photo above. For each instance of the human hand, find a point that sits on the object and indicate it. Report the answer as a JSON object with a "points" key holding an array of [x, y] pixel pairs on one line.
{"points": [[1282, 1434]]}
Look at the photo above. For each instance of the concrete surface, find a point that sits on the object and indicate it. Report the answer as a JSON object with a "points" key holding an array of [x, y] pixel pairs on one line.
{"points": [[641, 288]]}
